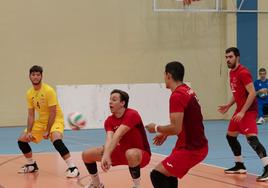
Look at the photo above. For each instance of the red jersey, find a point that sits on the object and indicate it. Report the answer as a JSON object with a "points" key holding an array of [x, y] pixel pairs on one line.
{"points": [[239, 78], [136, 136], [192, 136]]}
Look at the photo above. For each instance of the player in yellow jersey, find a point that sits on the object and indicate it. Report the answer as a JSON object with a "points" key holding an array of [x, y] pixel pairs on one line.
{"points": [[49, 124]]}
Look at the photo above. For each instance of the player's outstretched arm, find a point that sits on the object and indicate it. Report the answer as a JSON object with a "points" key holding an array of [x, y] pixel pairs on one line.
{"points": [[224, 108], [174, 128], [159, 139], [251, 97], [106, 159], [30, 122], [112, 140], [51, 120]]}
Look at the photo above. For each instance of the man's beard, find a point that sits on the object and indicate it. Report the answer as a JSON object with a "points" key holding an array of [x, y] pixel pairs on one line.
{"points": [[36, 83], [231, 66]]}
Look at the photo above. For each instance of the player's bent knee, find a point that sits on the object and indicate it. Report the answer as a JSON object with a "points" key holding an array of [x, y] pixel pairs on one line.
{"points": [[60, 147], [133, 154], [24, 147], [86, 156], [55, 136], [92, 155]]}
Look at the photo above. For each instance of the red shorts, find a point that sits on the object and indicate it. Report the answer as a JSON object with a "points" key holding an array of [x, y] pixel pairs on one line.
{"points": [[180, 161], [246, 126], [118, 157]]}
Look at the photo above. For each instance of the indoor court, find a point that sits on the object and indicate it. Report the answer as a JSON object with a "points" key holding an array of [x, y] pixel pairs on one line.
{"points": [[52, 167], [87, 48]]}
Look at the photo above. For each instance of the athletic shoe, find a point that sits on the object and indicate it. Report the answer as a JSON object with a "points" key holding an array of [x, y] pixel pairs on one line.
{"points": [[239, 168], [264, 176], [28, 168], [72, 172], [261, 121], [93, 186]]}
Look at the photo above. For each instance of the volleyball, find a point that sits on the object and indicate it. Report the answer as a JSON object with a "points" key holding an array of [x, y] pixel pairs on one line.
{"points": [[76, 120]]}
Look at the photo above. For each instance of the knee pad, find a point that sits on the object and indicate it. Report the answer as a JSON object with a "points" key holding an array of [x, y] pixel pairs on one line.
{"points": [[24, 147], [60, 147], [234, 144], [254, 142], [158, 179]]}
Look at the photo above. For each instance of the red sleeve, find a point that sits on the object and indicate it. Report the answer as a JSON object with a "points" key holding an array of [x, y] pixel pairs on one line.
{"points": [[245, 77], [107, 125], [177, 102], [131, 119]]}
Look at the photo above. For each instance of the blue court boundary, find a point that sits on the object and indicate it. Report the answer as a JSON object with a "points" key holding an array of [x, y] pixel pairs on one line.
{"points": [[219, 151]]}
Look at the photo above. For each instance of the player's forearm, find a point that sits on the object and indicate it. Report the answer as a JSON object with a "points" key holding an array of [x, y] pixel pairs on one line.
{"points": [[30, 122], [231, 102], [262, 91], [258, 92], [109, 147], [51, 121], [249, 101], [168, 129]]}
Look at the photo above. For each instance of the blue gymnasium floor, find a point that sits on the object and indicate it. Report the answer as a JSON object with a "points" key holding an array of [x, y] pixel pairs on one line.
{"points": [[219, 151]]}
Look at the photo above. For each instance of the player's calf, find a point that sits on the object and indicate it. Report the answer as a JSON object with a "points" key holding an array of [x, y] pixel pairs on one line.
{"points": [[254, 142], [261, 152], [135, 173], [72, 171], [239, 167], [31, 165], [173, 182], [24, 147], [159, 180], [93, 171], [60, 147]]}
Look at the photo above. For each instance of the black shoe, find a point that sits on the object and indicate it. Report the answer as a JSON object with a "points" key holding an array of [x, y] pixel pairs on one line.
{"points": [[28, 168], [239, 168], [264, 176], [72, 172]]}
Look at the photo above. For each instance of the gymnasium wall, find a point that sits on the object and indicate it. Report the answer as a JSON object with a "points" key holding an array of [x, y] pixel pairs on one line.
{"points": [[109, 42], [263, 36]]}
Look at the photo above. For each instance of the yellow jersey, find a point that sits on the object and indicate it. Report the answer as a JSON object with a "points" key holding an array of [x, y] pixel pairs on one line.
{"points": [[41, 100]]}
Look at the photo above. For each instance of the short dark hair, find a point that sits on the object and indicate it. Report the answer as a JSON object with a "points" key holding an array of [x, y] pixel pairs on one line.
{"points": [[176, 69], [123, 96], [234, 50], [36, 68], [262, 70]]}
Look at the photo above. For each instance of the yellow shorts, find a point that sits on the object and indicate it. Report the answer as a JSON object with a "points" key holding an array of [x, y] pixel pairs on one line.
{"points": [[39, 129]]}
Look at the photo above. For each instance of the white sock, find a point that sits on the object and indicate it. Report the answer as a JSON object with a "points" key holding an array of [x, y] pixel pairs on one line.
{"points": [[30, 160], [264, 161], [238, 159], [137, 182], [69, 162], [95, 179]]}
